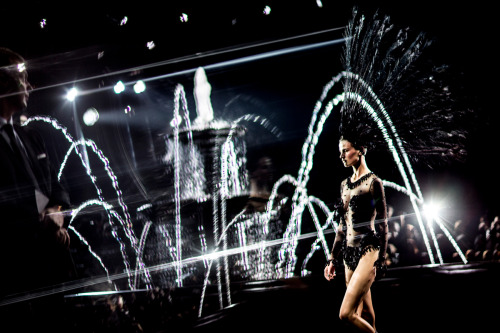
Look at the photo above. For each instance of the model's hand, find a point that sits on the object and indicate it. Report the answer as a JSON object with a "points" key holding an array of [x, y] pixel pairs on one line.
{"points": [[381, 268], [330, 271]]}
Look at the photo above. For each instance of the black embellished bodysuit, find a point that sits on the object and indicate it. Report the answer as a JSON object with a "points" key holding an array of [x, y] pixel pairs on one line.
{"points": [[363, 224]]}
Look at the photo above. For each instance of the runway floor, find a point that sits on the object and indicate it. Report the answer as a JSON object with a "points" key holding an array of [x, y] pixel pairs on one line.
{"points": [[446, 298], [439, 298]]}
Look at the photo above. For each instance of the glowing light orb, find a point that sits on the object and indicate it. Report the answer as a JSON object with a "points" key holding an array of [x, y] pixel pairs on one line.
{"points": [[119, 87], [432, 210], [176, 121], [71, 94], [184, 17], [23, 119], [139, 87], [267, 10], [90, 117], [21, 67]]}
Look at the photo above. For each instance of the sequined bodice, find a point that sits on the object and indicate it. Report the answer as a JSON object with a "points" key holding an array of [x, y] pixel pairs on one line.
{"points": [[359, 206]]}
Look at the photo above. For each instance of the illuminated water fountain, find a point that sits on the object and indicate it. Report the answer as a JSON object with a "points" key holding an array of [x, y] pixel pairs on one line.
{"points": [[208, 163]]}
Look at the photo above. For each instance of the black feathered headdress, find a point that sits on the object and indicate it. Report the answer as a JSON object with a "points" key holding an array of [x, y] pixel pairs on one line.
{"points": [[391, 93]]}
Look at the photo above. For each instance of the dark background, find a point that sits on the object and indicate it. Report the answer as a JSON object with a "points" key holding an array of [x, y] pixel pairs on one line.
{"points": [[255, 64], [84, 44]]}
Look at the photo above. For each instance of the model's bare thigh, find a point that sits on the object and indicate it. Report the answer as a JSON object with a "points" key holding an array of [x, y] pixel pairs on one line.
{"points": [[366, 301], [357, 300]]}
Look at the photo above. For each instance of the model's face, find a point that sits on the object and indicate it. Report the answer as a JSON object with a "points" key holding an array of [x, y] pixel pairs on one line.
{"points": [[348, 154]]}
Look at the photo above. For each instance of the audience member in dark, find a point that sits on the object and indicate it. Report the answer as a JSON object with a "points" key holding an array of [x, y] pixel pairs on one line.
{"points": [[481, 237], [34, 242]]}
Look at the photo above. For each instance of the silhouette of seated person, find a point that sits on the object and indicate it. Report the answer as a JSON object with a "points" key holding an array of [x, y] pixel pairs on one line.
{"points": [[406, 243], [392, 255], [481, 237], [493, 241], [461, 236]]}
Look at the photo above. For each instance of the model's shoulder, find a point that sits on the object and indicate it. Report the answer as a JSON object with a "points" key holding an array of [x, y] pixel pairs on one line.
{"points": [[376, 184]]}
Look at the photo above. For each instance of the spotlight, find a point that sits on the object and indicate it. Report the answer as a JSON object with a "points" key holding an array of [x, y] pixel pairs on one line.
{"points": [[119, 87], [21, 67], [184, 17], [267, 10], [90, 117], [139, 87], [71, 94], [432, 210]]}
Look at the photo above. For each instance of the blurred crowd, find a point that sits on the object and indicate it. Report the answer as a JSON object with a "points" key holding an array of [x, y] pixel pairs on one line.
{"points": [[476, 241]]}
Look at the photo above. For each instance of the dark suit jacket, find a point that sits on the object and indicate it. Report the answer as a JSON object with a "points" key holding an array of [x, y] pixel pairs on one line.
{"points": [[29, 257]]}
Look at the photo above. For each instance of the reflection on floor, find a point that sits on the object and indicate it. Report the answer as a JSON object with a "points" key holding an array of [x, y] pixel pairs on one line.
{"points": [[455, 298], [439, 298]]}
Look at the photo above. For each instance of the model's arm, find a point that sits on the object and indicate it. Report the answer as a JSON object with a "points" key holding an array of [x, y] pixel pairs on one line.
{"points": [[334, 256], [340, 235], [337, 243], [381, 228]]}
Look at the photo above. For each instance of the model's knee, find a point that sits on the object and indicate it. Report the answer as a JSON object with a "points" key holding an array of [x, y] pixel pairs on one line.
{"points": [[346, 315]]}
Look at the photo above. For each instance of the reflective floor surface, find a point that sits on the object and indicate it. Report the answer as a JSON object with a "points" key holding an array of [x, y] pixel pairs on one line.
{"points": [[439, 298], [449, 298]]}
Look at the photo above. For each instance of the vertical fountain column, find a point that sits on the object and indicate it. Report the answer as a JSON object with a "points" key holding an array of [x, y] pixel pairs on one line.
{"points": [[195, 154], [211, 136]]}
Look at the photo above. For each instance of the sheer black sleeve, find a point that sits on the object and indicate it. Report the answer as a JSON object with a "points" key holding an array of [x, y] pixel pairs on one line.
{"points": [[381, 228], [340, 235]]}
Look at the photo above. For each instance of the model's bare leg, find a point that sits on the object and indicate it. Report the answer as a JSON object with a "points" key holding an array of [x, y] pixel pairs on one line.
{"points": [[367, 312], [365, 308], [357, 296]]}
